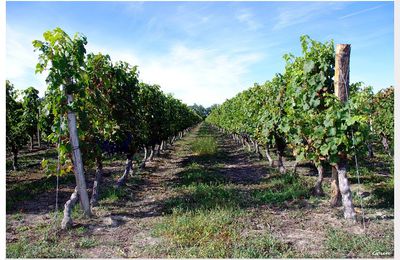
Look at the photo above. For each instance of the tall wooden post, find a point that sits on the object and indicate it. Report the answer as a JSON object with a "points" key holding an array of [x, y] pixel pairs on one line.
{"points": [[77, 160], [342, 71], [341, 81], [38, 128]]}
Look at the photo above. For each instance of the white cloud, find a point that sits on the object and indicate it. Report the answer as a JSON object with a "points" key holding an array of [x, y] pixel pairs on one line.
{"points": [[247, 17], [300, 13], [21, 60], [360, 12], [194, 75]]}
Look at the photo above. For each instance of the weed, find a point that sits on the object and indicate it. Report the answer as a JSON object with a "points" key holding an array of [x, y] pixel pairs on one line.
{"points": [[86, 242], [282, 188], [81, 230], [342, 244], [111, 194], [215, 233], [206, 196], [204, 146], [196, 174], [44, 248]]}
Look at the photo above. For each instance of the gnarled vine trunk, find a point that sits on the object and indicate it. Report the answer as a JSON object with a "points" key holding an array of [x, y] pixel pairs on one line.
{"points": [[370, 150], [68, 206], [15, 159], [143, 164], [257, 148], [336, 197], [318, 185], [385, 143], [97, 182], [30, 142], [345, 191], [151, 153], [268, 156], [128, 165], [281, 167]]}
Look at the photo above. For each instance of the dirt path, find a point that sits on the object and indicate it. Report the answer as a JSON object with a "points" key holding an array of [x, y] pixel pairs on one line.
{"points": [[123, 227]]}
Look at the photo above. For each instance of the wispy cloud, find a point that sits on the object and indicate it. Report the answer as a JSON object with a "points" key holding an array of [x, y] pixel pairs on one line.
{"points": [[360, 12], [297, 13], [247, 17]]}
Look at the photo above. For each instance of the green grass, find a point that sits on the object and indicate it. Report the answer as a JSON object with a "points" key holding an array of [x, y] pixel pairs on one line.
{"points": [[341, 244], [216, 233], [86, 242], [281, 188], [195, 173], [206, 196], [204, 146], [383, 195], [46, 244], [81, 230], [26, 248], [28, 160], [111, 194]]}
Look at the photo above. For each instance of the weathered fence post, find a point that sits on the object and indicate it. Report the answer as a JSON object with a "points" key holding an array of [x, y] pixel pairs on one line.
{"points": [[341, 81], [77, 160]]}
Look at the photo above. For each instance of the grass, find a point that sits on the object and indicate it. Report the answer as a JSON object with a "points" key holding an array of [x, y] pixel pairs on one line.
{"points": [[216, 233], [32, 159], [282, 188], [206, 196], [27, 190], [45, 244], [204, 146], [111, 194], [195, 173], [86, 242], [44, 248], [342, 244]]}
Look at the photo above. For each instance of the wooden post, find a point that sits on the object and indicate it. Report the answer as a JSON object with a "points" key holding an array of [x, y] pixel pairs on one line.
{"points": [[77, 160], [38, 128], [341, 81], [342, 71]]}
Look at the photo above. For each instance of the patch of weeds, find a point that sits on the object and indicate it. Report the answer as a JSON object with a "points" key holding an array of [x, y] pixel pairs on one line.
{"points": [[22, 228], [195, 174], [77, 212], [86, 242], [204, 146], [81, 230], [111, 194], [261, 246], [33, 159], [342, 244], [206, 196], [367, 176], [383, 195], [282, 188], [17, 216], [43, 248], [213, 233]]}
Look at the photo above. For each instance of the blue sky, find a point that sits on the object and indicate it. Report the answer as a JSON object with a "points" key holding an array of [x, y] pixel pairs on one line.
{"points": [[205, 52]]}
